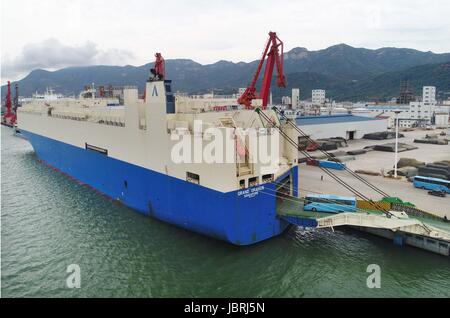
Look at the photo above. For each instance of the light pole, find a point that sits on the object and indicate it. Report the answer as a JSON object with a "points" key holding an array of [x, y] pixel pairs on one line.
{"points": [[396, 142]]}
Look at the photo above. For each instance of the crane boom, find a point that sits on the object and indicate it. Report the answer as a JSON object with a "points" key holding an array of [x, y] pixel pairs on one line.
{"points": [[272, 51], [8, 104], [9, 118]]}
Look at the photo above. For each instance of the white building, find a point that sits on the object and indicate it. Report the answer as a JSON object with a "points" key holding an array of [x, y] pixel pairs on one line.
{"points": [[286, 100], [345, 126], [295, 98], [424, 110], [318, 96], [441, 120], [419, 110], [241, 91], [386, 112], [416, 114], [429, 95]]}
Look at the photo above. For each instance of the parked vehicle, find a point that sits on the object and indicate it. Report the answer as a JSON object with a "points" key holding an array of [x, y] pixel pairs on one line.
{"points": [[312, 162], [437, 193], [312, 147], [432, 183], [329, 203]]}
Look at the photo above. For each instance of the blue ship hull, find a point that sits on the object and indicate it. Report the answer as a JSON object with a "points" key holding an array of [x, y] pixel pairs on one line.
{"points": [[233, 216]]}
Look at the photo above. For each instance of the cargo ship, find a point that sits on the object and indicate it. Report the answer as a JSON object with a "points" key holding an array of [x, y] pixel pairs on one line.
{"points": [[126, 152], [215, 166]]}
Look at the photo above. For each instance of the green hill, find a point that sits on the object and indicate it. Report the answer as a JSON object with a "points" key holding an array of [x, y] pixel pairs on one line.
{"points": [[347, 73]]}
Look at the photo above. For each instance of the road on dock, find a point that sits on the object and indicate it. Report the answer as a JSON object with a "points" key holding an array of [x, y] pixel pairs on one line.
{"points": [[310, 182]]}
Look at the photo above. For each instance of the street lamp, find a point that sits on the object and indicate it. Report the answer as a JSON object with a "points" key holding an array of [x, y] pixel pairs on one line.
{"points": [[396, 142]]}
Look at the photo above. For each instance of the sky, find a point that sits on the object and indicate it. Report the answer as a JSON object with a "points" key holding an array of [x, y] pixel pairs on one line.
{"points": [[53, 34]]}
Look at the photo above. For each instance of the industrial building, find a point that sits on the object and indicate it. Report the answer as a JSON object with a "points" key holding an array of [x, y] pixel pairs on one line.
{"points": [[318, 96], [286, 100], [441, 120], [344, 126], [295, 100], [426, 111], [429, 95]]}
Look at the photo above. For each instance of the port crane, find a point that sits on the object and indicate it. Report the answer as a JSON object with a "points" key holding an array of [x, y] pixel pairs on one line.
{"points": [[274, 52], [9, 118], [158, 71]]}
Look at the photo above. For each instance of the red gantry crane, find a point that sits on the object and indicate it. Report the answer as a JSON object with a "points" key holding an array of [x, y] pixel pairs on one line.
{"points": [[9, 118], [274, 53]]}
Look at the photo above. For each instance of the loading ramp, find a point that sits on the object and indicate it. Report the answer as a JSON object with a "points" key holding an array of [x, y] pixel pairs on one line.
{"points": [[382, 222], [395, 225]]}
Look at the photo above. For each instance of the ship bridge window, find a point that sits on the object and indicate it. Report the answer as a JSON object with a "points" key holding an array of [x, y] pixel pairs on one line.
{"points": [[192, 177], [242, 184]]}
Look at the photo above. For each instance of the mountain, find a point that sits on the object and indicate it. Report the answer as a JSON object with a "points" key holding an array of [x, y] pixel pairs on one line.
{"points": [[349, 63], [346, 72], [386, 85], [187, 75], [374, 88]]}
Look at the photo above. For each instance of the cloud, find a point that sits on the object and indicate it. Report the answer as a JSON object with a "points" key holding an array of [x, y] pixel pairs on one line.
{"points": [[207, 31], [51, 54]]}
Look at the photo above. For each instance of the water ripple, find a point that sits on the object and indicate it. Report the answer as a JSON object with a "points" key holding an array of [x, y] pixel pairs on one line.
{"points": [[50, 221]]}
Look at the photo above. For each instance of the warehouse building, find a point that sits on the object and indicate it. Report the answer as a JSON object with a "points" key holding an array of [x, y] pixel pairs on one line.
{"points": [[344, 126]]}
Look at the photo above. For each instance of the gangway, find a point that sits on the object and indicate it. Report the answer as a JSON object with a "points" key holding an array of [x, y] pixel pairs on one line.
{"points": [[396, 225]]}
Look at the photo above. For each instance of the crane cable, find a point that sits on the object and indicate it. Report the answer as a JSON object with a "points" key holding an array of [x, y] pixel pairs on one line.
{"points": [[331, 174], [294, 199], [354, 174]]}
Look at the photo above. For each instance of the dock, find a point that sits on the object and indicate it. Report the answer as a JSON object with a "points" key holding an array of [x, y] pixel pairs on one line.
{"points": [[429, 235]]}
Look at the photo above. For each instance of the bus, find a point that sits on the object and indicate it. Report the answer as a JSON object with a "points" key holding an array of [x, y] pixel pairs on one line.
{"points": [[329, 203], [431, 183]]}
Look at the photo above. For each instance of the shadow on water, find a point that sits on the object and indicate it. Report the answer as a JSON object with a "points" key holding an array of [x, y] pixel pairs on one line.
{"points": [[50, 221]]}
